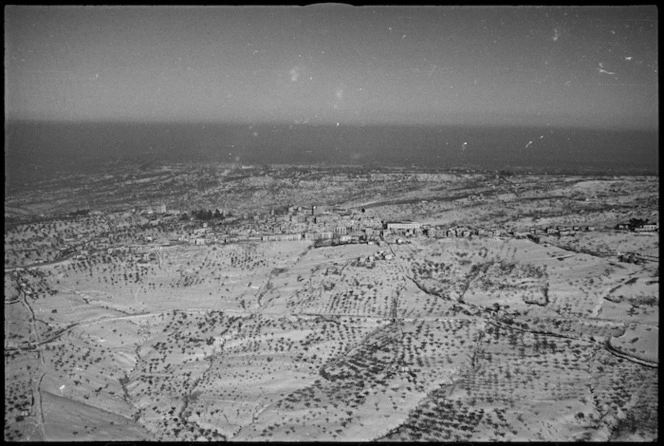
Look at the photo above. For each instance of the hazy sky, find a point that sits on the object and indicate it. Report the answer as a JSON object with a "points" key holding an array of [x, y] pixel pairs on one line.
{"points": [[583, 66]]}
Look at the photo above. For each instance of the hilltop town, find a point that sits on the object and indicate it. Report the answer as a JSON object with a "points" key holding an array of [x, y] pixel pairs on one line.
{"points": [[105, 228], [225, 302]]}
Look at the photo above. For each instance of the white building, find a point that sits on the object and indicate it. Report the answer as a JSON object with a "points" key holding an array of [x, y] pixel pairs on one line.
{"points": [[340, 230], [402, 225]]}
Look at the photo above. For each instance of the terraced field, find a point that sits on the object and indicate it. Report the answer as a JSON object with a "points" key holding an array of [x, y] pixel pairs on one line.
{"points": [[437, 339]]}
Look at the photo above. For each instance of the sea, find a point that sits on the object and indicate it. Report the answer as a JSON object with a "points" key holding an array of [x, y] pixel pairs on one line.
{"points": [[37, 150]]}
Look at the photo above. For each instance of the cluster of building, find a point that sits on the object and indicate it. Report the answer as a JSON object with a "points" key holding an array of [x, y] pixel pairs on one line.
{"points": [[561, 230], [369, 261], [343, 227], [380, 255], [326, 226], [311, 223], [332, 225], [415, 229], [641, 227]]}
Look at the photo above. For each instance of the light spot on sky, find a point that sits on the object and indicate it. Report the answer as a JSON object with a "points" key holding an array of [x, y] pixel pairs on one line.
{"points": [[338, 95], [601, 69], [294, 74]]}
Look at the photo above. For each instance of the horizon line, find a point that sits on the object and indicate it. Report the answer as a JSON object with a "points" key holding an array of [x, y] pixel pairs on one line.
{"points": [[291, 123]]}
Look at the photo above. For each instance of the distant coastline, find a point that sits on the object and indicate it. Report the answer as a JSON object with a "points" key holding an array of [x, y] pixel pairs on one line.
{"points": [[35, 149]]}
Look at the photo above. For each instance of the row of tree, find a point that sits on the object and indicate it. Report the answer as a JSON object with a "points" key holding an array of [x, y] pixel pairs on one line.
{"points": [[206, 214]]}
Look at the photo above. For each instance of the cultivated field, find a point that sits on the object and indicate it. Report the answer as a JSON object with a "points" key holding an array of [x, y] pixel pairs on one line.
{"points": [[123, 325]]}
